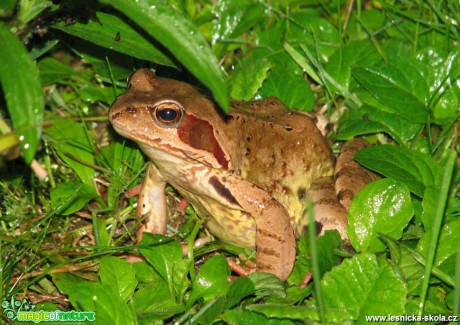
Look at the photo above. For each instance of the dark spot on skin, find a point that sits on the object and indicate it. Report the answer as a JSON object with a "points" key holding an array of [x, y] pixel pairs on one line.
{"points": [[200, 135], [301, 193], [222, 190], [314, 119], [319, 227], [288, 128], [131, 109], [345, 194], [115, 116], [249, 138], [283, 165], [248, 151]]}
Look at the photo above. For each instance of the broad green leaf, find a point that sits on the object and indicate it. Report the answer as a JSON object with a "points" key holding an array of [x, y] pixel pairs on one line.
{"points": [[153, 301], [180, 280], [345, 57], [412, 168], [239, 289], [163, 253], [327, 244], [65, 282], [74, 146], [233, 18], [368, 119], [212, 310], [403, 257], [53, 71], [292, 89], [118, 274], [314, 31], [267, 284], [361, 286], [390, 86], [447, 246], [237, 316], [447, 106], [211, 280], [181, 37], [20, 81], [247, 80], [383, 206], [28, 10], [114, 33], [286, 312], [7, 7], [70, 197], [108, 305]]}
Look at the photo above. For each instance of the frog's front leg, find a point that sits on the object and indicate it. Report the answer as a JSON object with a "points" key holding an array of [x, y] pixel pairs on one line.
{"points": [[275, 241], [152, 204]]}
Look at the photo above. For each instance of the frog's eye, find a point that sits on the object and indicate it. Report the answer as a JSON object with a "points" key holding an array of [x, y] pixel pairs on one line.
{"points": [[168, 114]]}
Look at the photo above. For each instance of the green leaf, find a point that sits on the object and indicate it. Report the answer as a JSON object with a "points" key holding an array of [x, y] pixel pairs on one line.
{"points": [[247, 80], [108, 305], [390, 86], [383, 206], [163, 253], [267, 284], [20, 81], [70, 197], [74, 146], [239, 289], [360, 287], [7, 7], [181, 37], [243, 317], [292, 89], [53, 71], [284, 311], [345, 57], [211, 280], [447, 246], [153, 301], [412, 168], [232, 18], [116, 35], [119, 275], [29, 9], [327, 244], [369, 119]]}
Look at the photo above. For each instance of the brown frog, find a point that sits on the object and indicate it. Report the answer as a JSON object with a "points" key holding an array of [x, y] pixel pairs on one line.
{"points": [[249, 173]]}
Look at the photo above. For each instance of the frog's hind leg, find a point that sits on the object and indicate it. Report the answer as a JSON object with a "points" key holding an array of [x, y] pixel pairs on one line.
{"points": [[350, 176], [329, 213], [331, 199]]}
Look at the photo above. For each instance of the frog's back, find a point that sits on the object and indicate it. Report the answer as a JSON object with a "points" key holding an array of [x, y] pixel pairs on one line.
{"points": [[279, 150]]}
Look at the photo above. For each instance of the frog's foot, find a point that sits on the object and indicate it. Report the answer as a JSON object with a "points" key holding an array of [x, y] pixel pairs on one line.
{"points": [[151, 205], [350, 176]]}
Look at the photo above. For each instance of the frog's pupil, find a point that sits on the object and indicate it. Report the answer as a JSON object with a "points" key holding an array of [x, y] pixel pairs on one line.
{"points": [[168, 114]]}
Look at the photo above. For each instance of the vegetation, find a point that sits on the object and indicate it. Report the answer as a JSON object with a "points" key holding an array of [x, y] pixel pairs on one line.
{"points": [[386, 70]]}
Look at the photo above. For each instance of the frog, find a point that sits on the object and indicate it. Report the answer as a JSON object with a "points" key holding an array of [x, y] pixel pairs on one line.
{"points": [[249, 173]]}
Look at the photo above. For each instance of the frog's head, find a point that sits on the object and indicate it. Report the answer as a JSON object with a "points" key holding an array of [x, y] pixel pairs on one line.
{"points": [[165, 116]]}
